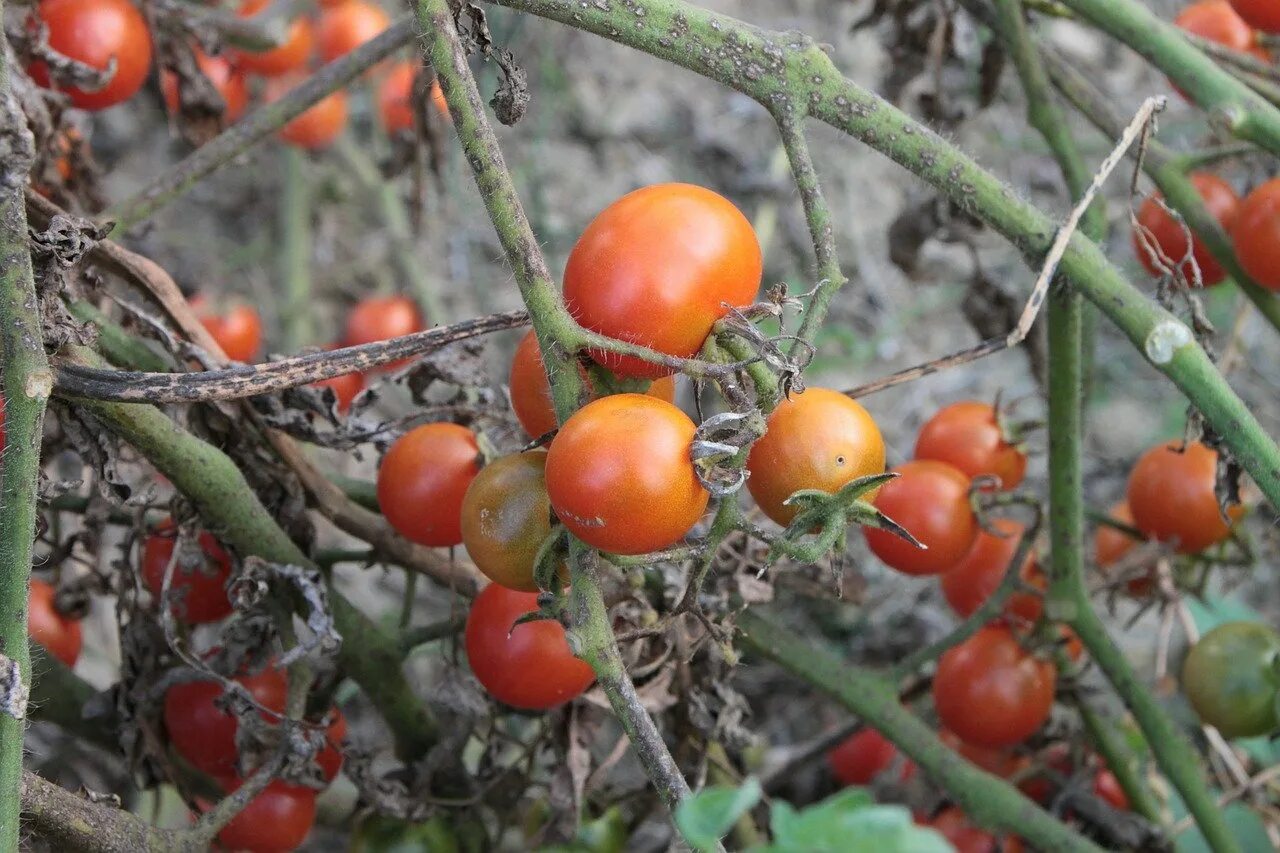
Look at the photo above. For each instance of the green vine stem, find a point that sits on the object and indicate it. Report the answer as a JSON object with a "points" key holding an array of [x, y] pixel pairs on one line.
{"points": [[1120, 760], [27, 383], [295, 251], [988, 800]]}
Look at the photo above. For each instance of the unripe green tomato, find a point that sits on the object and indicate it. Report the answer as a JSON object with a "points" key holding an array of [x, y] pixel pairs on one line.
{"points": [[1230, 677], [506, 516]]}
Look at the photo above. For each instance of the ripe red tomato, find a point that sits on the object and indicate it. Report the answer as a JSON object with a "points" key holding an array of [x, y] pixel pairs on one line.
{"points": [[952, 824], [290, 55], [990, 691], [1257, 234], [1262, 14], [1216, 21], [344, 387], [422, 480], [316, 127], [380, 318], [530, 667], [863, 756], [1107, 788], [60, 635], [531, 393], [998, 762], [1231, 679], [620, 478], [506, 516], [95, 32], [276, 821], [658, 267], [227, 81], [975, 578], [203, 733], [348, 25], [931, 500], [1172, 499], [1167, 233], [238, 332], [330, 756], [198, 592], [820, 439], [968, 435]]}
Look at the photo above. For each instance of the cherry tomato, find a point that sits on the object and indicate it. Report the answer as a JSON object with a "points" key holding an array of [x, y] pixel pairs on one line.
{"points": [[316, 127], [990, 691], [1172, 499], [290, 55], [658, 267], [997, 762], [1257, 234], [975, 578], [227, 82], [346, 26], [238, 332], [198, 590], [60, 635], [203, 733], [1231, 679], [820, 439], [931, 500], [422, 480], [345, 387], [330, 756], [1110, 545], [1168, 234], [530, 667], [395, 97], [95, 32], [620, 478], [863, 756], [506, 515], [954, 826], [276, 821], [380, 318], [1054, 763], [1261, 14], [1107, 788], [968, 435], [1216, 21], [531, 393]]}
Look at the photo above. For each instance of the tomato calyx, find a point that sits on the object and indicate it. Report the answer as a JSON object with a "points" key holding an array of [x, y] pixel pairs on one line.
{"points": [[830, 514], [717, 442]]}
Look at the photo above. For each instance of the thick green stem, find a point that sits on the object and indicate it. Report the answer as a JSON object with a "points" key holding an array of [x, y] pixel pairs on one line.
{"points": [[295, 252], [818, 215]]}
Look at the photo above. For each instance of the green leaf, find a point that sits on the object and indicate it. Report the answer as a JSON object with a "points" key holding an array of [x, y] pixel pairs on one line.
{"points": [[708, 815], [851, 822]]}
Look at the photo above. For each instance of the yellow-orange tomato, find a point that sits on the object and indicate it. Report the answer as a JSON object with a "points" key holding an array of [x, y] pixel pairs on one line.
{"points": [[506, 516], [346, 26], [319, 125], [531, 393], [820, 439], [227, 82], [619, 475], [658, 267], [422, 480], [290, 55], [1172, 498]]}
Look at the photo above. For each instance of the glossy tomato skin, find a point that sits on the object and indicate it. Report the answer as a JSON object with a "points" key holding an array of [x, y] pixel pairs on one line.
{"points": [[530, 667], [227, 82], [1261, 14], [968, 436], [59, 635], [931, 500], [1107, 788], [1171, 496], [203, 733], [656, 267], [317, 126], [94, 32], [990, 691], [531, 393], [506, 516], [954, 826], [422, 480], [379, 318], [619, 475], [346, 26], [1167, 233], [330, 756], [199, 592], [276, 821], [975, 578], [863, 756], [1231, 680], [1256, 234], [290, 55], [819, 439], [238, 332]]}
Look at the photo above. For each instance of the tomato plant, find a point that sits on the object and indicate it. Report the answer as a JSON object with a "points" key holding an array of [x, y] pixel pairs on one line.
{"points": [[620, 478], [658, 267], [199, 591], [931, 500], [379, 318], [863, 756], [1232, 679], [95, 32], [971, 437], [422, 481], [238, 332], [529, 666], [975, 578], [290, 55], [506, 515], [1256, 234], [990, 691], [954, 826], [820, 439], [1170, 235], [1171, 495], [203, 733], [316, 127], [227, 81], [276, 821], [1262, 14], [347, 25], [60, 635]]}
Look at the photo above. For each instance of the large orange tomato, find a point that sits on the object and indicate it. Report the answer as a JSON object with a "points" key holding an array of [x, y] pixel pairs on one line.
{"points": [[1256, 234], [820, 439], [95, 32], [422, 480], [1172, 499], [619, 474], [931, 500], [658, 267], [1223, 204], [290, 55]]}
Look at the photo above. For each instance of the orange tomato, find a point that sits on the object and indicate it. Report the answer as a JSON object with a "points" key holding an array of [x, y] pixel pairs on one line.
{"points": [[95, 32], [319, 125], [290, 55], [345, 26], [238, 332], [1167, 233], [931, 501], [1171, 496], [1256, 234], [422, 480], [973, 580]]}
